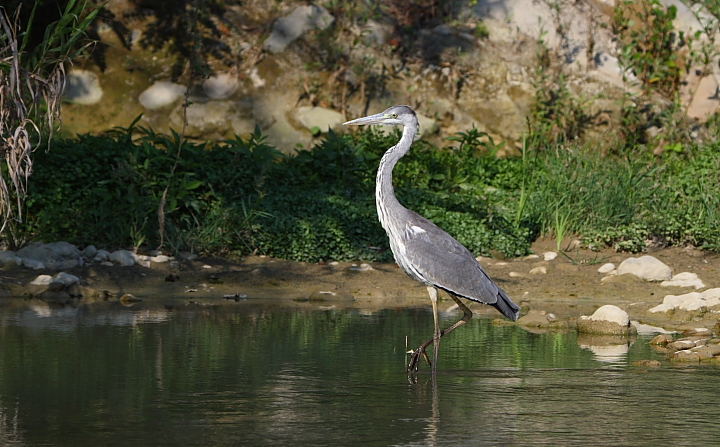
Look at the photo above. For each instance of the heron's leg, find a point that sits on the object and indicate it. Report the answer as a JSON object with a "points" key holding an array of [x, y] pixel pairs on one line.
{"points": [[467, 315], [432, 291], [415, 357]]}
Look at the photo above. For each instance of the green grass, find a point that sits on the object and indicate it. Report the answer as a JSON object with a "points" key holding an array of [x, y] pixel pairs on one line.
{"points": [[242, 196]]}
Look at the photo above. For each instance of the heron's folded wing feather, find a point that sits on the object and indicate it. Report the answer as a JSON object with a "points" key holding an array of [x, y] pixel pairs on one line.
{"points": [[445, 262]]}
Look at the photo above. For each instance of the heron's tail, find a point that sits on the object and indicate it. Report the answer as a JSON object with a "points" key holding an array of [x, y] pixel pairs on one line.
{"points": [[506, 306]]}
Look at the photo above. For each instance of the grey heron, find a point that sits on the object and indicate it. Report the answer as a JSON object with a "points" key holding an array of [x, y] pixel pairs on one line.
{"points": [[422, 249]]}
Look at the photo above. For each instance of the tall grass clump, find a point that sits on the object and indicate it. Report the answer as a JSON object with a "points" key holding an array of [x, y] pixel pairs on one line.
{"points": [[32, 78], [628, 202]]}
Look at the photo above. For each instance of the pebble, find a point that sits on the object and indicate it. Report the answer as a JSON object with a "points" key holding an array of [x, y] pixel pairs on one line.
{"points": [[549, 255], [362, 268], [606, 268], [538, 270]]}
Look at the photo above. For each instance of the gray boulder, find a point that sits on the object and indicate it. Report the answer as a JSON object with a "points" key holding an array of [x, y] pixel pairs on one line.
{"points": [[65, 279], [101, 256], [303, 18], [319, 117], [55, 255], [89, 252], [123, 257], [9, 258]]}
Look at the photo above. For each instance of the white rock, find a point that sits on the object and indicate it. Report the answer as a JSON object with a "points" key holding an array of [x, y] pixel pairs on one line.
{"points": [[541, 270], [220, 86], [704, 102], [123, 257], [549, 255], [516, 275], [531, 257], [319, 117], [646, 329], [645, 267], [255, 78], [361, 268], [611, 313], [606, 268], [161, 94], [684, 279], [82, 87], [101, 255], [65, 279], [689, 301], [160, 258], [41, 280], [607, 278], [8, 257], [303, 18]]}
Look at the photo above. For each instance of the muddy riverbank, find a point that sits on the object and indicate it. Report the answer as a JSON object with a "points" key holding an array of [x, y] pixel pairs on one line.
{"points": [[567, 286]]}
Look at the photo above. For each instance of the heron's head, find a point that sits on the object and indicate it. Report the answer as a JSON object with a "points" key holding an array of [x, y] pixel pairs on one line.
{"points": [[395, 115]]}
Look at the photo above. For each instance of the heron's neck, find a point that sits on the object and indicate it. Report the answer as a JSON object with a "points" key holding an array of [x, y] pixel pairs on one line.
{"points": [[384, 192]]}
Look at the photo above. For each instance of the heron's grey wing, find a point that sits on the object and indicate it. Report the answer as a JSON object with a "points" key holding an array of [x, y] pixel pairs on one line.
{"points": [[445, 262]]}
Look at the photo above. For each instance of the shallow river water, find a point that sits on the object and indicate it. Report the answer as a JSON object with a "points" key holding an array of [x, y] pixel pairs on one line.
{"points": [[258, 374]]}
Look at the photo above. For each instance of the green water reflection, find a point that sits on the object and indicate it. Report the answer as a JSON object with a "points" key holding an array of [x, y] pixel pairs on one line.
{"points": [[256, 375]]}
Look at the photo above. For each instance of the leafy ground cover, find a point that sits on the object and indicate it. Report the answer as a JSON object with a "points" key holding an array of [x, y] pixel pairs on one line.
{"points": [[133, 187]]}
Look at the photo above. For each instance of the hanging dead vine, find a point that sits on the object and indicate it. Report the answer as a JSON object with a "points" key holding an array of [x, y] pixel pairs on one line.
{"points": [[31, 86]]}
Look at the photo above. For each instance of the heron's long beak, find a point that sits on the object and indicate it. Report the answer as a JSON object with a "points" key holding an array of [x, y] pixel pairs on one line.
{"points": [[372, 119]]}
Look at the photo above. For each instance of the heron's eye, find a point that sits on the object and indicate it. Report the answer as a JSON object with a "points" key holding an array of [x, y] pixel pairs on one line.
{"points": [[394, 115]]}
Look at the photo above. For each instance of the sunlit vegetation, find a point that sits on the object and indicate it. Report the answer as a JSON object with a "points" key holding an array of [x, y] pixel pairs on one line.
{"points": [[242, 196]]}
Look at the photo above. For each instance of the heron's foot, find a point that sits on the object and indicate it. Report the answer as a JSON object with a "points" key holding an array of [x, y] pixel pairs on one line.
{"points": [[415, 359]]}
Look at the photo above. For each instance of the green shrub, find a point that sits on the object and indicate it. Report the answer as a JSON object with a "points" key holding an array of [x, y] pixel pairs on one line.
{"points": [[133, 187]]}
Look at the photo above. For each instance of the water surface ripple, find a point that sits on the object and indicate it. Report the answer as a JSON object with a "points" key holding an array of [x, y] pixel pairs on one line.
{"points": [[259, 375]]}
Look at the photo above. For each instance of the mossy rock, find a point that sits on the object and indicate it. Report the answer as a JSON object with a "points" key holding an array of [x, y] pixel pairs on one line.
{"points": [[601, 327]]}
